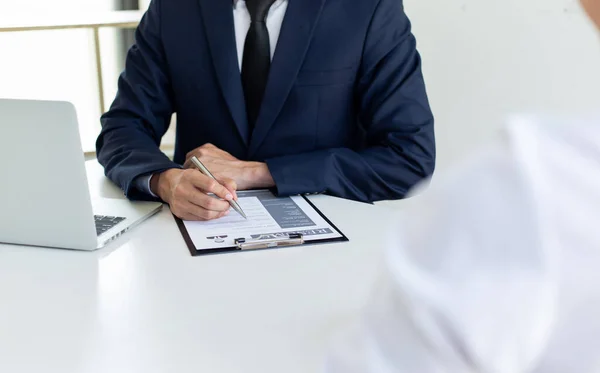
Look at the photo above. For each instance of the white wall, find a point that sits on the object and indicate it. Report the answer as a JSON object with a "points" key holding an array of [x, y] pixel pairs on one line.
{"points": [[60, 64], [484, 59]]}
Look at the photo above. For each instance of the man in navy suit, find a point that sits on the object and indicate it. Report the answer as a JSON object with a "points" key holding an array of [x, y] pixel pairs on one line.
{"points": [[302, 96]]}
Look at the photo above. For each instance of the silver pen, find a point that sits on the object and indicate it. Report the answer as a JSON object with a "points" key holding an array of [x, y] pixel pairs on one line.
{"points": [[206, 172]]}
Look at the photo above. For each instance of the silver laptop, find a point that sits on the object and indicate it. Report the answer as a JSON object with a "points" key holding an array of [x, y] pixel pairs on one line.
{"points": [[43, 187]]}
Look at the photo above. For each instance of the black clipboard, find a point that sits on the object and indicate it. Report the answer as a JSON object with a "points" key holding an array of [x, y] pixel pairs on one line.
{"points": [[292, 241]]}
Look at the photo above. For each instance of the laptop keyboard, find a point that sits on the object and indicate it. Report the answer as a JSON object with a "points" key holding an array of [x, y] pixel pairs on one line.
{"points": [[104, 223]]}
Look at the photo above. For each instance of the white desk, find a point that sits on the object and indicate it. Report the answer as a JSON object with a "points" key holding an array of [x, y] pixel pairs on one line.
{"points": [[145, 305]]}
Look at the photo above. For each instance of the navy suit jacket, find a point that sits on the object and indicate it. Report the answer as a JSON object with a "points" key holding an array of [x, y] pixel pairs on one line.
{"points": [[345, 110]]}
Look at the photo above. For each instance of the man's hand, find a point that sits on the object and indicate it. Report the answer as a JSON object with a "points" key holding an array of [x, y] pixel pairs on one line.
{"points": [[186, 192], [247, 175]]}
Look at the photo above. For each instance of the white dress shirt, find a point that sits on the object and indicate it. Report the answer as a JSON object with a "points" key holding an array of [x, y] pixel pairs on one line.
{"points": [[497, 267], [241, 23]]}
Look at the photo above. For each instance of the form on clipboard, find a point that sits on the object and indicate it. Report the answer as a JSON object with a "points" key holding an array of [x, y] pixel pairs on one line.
{"points": [[273, 222]]}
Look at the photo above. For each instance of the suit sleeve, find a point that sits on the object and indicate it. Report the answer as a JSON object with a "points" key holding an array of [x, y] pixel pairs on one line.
{"points": [[128, 145], [395, 113]]}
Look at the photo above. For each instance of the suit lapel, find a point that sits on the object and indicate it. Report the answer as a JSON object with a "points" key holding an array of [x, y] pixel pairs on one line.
{"points": [[296, 32], [218, 22]]}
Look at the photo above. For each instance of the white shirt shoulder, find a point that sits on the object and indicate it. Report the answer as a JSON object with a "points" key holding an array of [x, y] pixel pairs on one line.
{"points": [[489, 265]]}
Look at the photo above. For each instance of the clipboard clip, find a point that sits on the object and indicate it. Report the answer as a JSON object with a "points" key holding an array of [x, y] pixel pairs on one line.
{"points": [[293, 239]]}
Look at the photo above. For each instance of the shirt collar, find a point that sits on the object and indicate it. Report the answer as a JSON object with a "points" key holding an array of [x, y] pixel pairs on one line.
{"points": [[275, 5]]}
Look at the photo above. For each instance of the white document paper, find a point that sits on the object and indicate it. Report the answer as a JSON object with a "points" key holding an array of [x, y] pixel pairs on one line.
{"points": [[268, 217]]}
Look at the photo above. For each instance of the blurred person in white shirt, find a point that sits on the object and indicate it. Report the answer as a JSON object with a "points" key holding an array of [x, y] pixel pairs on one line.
{"points": [[498, 268]]}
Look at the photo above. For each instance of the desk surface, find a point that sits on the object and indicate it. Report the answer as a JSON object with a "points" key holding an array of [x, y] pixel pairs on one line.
{"points": [[145, 305], [30, 22]]}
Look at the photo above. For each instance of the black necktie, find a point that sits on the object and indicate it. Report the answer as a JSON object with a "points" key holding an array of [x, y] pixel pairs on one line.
{"points": [[257, 58]]}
